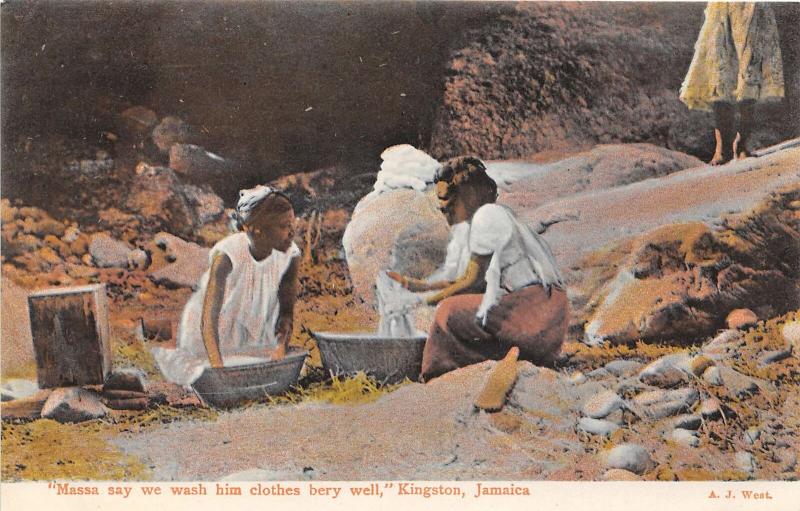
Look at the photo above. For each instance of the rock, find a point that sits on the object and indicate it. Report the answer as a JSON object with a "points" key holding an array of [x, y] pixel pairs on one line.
{"points": [[17, 389], [658, 404], [712, 376], [500, 381], [602, 404], [138, 259], [171, 130], [77, 271], [157, 196], [199, 166], [770, 357], [699, 364], [710, 408], [596, 426], [21, 244], [28, 408], [380, 223], [207, 206], [631, 457], [71, 234], [73, 404], [43, 227], [623, 367], [745, 462], [16, 347], [684, 437], [689, 421], [137, 122], [577, 378], [107, 252], [737, 384], [791, 334], [549, 395], [176, 262], [133, 380], [119, 224], [48, 255], [618, 474], [787, 459], [724, 345], [59, 246], [599, 373], [741, 319], [632, 384], [751, 435], [667, 371]]}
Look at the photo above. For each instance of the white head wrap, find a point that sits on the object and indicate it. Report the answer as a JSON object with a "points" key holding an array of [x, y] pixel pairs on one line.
{"points": [[250, 198]]}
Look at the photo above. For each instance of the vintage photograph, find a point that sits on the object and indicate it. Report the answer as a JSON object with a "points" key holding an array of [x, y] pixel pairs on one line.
{"points": [[409, 241]]}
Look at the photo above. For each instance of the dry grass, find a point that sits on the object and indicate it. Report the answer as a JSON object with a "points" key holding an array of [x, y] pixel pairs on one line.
{"points": [[353, 390]]}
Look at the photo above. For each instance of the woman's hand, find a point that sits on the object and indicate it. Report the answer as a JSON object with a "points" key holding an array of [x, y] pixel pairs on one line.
{"points": [[215, 360]]}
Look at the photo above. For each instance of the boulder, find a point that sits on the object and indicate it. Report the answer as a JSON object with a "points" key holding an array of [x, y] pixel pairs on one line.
{"points": [[206, 205], [16, 348], [108, 252], [683, 437], [631, 457], [680, 281], [197, 165], [400, 229], [596, 426], [17, 389], [741, 319], [170, 131], [176, 262], [710, 408], [129, 379], [602, 404], [73, 404]]}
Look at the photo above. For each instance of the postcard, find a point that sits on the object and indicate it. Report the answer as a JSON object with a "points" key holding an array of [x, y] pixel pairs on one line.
{"points": [[348, 254]]}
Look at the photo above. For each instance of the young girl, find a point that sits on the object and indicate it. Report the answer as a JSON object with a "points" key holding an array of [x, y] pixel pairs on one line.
{"points": [[245, 300]]}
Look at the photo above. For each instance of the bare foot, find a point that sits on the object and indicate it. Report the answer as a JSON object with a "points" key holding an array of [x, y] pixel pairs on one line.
{"points": [[718, 159], [720, 154], [740, 148]]}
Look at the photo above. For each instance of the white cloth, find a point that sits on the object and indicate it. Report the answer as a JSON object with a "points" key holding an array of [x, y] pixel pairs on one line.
{"points": [[250, 198], [519, 256], [457, 256], [248, 316]]}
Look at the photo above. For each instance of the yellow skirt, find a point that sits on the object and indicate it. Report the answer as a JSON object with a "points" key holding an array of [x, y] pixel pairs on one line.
{"points": [[737, 57]]}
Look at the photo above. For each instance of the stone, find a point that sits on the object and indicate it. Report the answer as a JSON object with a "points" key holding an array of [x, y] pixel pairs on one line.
{"points": [[787, 459], [791, 334], [129, 379], [712, 376], [176, 262], [632, 384], [667, 371], [59, 246], [405, 223], [577, 378], [17, 389], [596, 426], [599, 373], [137, 122], [724, 345], [618, 474], [108, 252], [602, 404], [658, 404], [78, 271], [623, 367], [156, 195], [138, 259], [699, 364], [43, 227], [737, 384], [48, 255], [197, 165], [688, 421], [745, 462], [683, 437], [631, 457], [171, 130], [16, 346], [751, 435], [741, 319], [73, 404], [710, 408], [772, 356], [206, 205]]}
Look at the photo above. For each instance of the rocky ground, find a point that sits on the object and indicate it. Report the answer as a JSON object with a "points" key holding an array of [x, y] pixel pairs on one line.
{"points": [[710, 395]]}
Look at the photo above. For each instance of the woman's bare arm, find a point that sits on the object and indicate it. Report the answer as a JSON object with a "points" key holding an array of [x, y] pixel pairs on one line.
{"points": [[471, 279], [287, 296], [212, 304]]}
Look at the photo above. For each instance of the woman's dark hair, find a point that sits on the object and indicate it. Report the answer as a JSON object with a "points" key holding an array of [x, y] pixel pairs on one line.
{"points": [[468, 171]]}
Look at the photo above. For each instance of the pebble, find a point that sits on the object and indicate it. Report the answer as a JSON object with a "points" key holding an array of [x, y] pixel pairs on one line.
{"points": [[600, 372], [745, 462], [667, 371], [770, 357], [738, 384], [623, 367], [577, 378], [596, 426], [684, 437], [724, 345], [618, 474], [688, 421], [631, 457], [712, 376], [751, 435], [602, 404], [658, 404], [710, 408]]}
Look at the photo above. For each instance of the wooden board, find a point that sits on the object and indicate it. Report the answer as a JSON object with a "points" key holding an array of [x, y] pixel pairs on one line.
{"points": [[70, 335]]}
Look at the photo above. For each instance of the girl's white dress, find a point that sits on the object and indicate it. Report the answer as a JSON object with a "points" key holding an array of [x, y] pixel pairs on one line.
{"points": [[248, 316]]}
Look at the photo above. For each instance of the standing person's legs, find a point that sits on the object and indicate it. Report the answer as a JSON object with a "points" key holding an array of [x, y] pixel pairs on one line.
{"points": [[724, 132], [744, 128]]}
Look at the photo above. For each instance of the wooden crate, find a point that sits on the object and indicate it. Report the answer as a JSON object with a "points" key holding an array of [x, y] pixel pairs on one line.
{"points": [[70, 335]]}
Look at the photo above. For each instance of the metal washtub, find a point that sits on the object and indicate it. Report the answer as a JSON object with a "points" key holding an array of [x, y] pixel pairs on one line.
{"points": [[387, 359], [226, 387]]}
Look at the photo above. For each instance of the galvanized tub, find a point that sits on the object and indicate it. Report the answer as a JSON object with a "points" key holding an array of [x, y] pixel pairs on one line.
{"points": [[387, 359], [225, 387]]}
